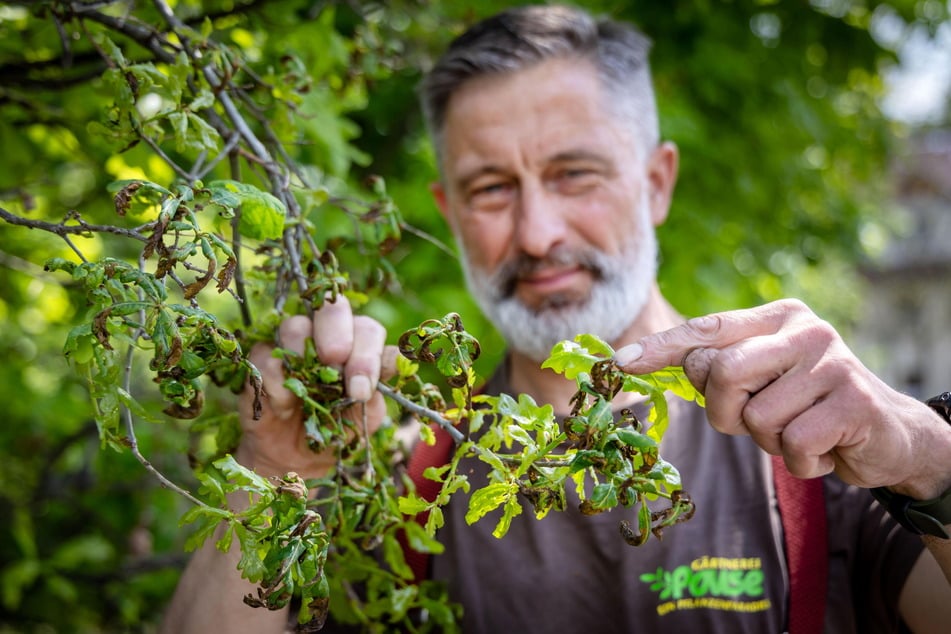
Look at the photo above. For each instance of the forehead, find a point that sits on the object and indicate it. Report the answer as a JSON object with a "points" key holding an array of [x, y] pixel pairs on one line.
{"points": [[552, 108]]}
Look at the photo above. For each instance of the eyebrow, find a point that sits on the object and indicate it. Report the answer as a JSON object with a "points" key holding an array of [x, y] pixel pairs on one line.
{"points": [[466, 179], [580, 155]]}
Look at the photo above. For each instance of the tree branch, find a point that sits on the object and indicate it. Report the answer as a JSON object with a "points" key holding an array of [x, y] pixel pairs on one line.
{"points": [[425, 412], [62, 229], [134, 443]]}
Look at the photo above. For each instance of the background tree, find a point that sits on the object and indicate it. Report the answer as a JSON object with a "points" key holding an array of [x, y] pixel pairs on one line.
{"points": [[774, 106]]}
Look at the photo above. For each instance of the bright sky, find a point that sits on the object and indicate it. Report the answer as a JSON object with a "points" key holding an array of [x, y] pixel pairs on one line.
{"points": [[920, 88]]}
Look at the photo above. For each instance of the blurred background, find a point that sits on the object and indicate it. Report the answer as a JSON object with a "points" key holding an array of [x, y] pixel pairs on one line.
{"points": [[815, 143]]}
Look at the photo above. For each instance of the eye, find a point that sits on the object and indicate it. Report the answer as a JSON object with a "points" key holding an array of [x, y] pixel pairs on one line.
{"points": [[490, 195], [576, 180]]}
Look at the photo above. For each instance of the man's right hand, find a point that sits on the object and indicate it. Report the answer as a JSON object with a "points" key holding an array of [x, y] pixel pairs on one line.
{"points": [[276, 443]]}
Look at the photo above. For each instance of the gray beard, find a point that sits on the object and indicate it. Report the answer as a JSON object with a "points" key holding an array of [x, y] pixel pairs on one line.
{"points": [[619, 293]]}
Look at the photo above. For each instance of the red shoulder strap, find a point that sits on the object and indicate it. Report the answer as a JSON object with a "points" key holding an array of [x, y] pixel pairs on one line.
{"points": [[425, 456], [803, 511]]}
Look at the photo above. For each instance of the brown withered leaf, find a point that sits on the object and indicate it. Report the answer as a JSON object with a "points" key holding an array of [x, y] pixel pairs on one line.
{"points": [[258, 386], [318, 608], [187, 412], [195, 287], [123, 198], [174, 353], [99, 328], [155, 243], [226, 274], [165, 265]]}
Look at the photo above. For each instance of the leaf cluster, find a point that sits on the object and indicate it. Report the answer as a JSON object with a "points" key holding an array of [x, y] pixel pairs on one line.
{"points": [[196, 171]]}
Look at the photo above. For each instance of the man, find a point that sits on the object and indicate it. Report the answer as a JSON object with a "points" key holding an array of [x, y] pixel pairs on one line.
{"points": [[552, 179]]}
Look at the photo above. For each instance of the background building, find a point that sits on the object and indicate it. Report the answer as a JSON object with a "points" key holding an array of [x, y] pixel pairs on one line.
{"points": [[905, 333]]}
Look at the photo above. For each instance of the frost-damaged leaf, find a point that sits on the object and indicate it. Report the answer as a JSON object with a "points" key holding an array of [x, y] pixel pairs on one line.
{"points": [[243, 476], [488, 499], [262, 215], [571, 358], [512, 508]]}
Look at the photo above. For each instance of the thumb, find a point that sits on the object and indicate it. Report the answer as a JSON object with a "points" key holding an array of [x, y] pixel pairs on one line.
{"points": [[697, 365], [276, 400]]}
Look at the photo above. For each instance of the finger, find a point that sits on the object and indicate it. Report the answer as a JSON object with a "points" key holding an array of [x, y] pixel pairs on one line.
{"points": [[771, 410], [276, 400], [388, 362], [376, 411], [333, 332], [697, 366], [741, 371], [718, 330], [292, 333], [810, 443], [362, 369]]}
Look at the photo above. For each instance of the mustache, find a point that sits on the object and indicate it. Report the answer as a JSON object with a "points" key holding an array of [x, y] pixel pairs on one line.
{"points": [[506, 278]]}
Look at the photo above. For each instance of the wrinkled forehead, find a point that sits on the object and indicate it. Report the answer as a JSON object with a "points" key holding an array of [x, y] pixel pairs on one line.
{"points": [[554, 107]]}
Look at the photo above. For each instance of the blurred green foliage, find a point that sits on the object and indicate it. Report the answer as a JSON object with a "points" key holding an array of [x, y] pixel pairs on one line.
{"points": [[783, 148]]}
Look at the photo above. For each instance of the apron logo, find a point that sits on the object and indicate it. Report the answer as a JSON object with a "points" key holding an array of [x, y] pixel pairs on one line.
{"points": [[716, 583]]}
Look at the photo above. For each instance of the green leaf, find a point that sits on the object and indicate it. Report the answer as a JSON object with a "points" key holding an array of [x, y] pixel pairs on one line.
{"points": [[296, 387], [81, 551], [635, 439], [251, 565], [17, 577], [512, 508], [394, 557], [262, 215], [412, 504], [487, 499], [135, 407], [603, 496], [206, 525], [204, 99], [594, 345], [420, 541], [435, 521], [570, 358], [243, 477]]}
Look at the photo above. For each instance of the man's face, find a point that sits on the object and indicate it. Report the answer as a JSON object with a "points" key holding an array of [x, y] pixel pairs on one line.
{"points": [[550, 204]]}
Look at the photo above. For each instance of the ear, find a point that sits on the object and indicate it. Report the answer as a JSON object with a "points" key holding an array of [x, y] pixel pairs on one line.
{"points": [[661, 177], [439, 196]]}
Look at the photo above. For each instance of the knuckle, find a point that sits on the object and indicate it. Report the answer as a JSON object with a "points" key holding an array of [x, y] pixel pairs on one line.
{"points": [[755, 415], [793, 305], [728, 362], [705, 327], [369, 327], [819, 333]]}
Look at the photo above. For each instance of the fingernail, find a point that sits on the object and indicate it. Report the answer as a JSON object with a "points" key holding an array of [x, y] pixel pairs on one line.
{"points": [[628, 354], [359, 388]]}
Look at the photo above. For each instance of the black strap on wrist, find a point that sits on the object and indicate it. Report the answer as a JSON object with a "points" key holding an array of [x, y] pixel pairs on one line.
{"points": [[923, 517]]}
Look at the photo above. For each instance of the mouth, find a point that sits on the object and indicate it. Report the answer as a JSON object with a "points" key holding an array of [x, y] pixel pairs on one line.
{"points": [[550, 280], [554, 288], [562, 277]]}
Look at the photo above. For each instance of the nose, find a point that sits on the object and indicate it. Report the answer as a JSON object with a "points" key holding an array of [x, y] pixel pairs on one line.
{"points": [[540, 222]]}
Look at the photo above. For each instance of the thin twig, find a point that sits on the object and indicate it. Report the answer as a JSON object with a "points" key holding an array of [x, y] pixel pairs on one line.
{"points": [[200, 171], [366, 440], [62, 229], [134, 443], [235, 166], [75, 249], [158, 150], [425, 412], [433, 240]]}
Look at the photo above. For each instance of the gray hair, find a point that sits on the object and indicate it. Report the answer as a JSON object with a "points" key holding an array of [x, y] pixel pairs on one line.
{"points": [[521, 37]]}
